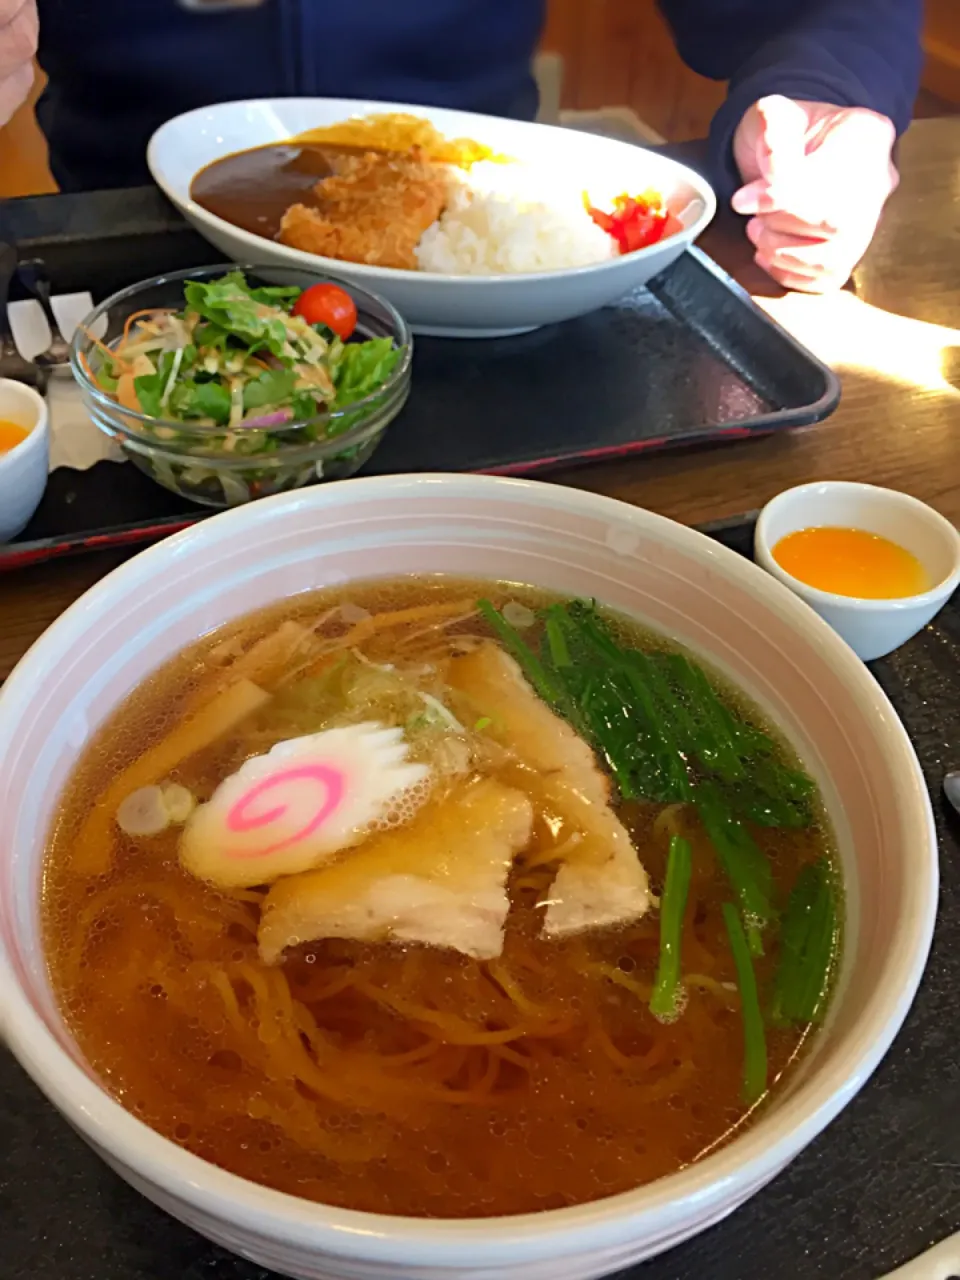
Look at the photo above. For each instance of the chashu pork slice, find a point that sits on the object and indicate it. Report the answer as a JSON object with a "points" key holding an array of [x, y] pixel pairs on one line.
{"points": [[601, 880], [440, 880]]}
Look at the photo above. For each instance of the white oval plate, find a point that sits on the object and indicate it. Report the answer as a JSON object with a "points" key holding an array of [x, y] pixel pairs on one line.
{"points": [[450, 306]]}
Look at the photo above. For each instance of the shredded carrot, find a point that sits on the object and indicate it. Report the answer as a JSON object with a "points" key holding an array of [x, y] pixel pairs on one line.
{"points": [[127, 393], [135, 315], [112, 356]]}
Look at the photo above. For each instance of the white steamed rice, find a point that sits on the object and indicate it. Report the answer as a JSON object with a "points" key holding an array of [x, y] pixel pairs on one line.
{"points": [[497, 221]]}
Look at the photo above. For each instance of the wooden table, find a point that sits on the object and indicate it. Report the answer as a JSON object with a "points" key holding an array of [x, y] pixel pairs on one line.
{"points": [[895, 337]]}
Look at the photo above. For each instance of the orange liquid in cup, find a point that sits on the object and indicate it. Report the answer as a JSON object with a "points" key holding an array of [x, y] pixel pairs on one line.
{"points": [[851, 562], [11, 434]]}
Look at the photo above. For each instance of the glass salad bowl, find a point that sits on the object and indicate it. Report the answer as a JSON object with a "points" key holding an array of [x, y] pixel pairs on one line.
{"points": [[214, 389]]}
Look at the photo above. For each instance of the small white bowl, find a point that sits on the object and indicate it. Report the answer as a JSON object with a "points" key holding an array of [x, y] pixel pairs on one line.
{"points": [[23, 469], [872, 628], [446, 305]]}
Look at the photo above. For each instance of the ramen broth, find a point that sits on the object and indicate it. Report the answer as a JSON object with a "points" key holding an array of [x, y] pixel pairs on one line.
{"points": [[400, 1078]]}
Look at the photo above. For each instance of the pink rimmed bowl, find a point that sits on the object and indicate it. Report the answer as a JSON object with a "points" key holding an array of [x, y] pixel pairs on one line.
{"points": [[744, 622]]}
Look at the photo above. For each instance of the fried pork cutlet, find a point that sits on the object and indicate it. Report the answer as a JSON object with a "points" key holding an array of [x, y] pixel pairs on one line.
{"points": [[373, 210]]}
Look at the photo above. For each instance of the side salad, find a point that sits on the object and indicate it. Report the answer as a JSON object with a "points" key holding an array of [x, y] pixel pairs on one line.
{"points": [[241, 371]]}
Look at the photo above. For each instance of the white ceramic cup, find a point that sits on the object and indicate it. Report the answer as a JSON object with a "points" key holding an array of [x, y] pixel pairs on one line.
{"points": [[578, 544], [872, 628], [23, 469]]}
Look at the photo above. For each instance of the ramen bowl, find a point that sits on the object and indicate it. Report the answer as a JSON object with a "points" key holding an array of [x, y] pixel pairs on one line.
{"points": [[750, 627], [435, 303]]}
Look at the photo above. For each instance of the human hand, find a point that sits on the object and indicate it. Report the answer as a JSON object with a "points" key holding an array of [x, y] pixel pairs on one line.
{"points": [[18, 44], [816, 179]]}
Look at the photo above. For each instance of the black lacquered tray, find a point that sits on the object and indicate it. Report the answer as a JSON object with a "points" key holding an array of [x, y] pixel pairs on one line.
{"points": [[877, 1188], [690, 360]]}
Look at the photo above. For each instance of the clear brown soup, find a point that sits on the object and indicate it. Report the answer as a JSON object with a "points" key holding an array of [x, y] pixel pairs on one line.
{"points": [[397, 1079]]}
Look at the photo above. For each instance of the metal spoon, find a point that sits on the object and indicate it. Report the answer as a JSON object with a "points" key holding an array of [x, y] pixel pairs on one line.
{"points": [[56, 358], [12, 363], [951, 788]]}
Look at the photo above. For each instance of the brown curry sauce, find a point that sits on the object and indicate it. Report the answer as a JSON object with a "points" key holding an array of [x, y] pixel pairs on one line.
{"points": [[253, 189]]}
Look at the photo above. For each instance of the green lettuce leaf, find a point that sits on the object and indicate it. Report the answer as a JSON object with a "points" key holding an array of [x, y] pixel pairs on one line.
{"points": [[304, 405], [210, 336], [150, 387], [362, 368], [273, 386], [106, 379], [193, 399], [230, 304], [275, 295]]}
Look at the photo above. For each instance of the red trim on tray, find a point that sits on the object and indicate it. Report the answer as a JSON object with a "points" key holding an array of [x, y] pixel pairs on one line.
{"points": [[14, 556], [612, 451]]}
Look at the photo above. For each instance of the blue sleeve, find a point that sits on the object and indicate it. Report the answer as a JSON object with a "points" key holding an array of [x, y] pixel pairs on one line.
{"points": [[855, 53]]}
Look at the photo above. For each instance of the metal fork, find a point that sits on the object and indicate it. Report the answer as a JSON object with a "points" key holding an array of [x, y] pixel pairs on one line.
{"points": [[33, 273], [12, 363]]}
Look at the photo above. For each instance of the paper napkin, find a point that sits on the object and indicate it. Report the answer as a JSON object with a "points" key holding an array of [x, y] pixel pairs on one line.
{"points": [[74, 440]]}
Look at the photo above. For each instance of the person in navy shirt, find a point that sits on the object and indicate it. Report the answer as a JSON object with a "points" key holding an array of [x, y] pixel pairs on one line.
{"points": [[803, 145]]}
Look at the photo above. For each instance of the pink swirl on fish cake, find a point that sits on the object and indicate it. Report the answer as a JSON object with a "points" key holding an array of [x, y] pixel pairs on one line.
{"points": [[239, 820]]}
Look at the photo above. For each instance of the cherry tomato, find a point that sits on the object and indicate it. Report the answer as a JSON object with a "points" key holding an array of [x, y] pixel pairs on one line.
{"points": [[330, 305]]}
